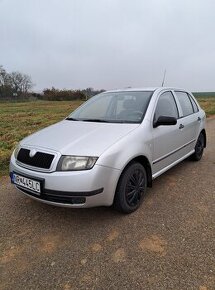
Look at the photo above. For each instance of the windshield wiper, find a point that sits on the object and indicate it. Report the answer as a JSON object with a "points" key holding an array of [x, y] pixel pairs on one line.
{"points": [[95, 120], [88, 120], [72, 119], [103, 121]]}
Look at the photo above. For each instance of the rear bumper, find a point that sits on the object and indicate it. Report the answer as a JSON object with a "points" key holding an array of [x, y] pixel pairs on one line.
{"points": [[88, 188]]}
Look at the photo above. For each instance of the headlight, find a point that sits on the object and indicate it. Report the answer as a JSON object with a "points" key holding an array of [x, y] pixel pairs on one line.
{"points": [[70, 163], [16, 151]]}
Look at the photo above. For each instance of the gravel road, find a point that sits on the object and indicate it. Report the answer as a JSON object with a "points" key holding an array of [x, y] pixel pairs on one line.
{"points": [[169, 243]]}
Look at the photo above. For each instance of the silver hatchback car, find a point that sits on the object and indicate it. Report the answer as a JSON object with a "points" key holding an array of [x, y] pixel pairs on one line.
{"points": [[110, 149]]}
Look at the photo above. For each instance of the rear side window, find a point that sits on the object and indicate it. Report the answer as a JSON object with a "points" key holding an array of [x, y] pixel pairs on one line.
{"points": [[195, 107], [185, 103], [166, 106]]}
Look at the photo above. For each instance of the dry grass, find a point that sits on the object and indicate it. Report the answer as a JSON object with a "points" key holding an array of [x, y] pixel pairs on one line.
{"points": [[17, 120], [207, 104]]}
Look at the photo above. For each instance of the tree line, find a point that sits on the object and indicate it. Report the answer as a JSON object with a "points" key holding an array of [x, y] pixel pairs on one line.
{"points": [[63, 95], [17, 86]]}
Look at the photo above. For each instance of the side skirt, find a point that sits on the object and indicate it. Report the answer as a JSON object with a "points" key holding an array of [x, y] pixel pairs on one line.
{"points": [[171, 165]]}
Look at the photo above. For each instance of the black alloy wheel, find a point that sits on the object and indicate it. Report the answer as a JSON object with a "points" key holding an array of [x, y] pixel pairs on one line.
{"points": [[199, 148], [131, 188], [135, 187]]}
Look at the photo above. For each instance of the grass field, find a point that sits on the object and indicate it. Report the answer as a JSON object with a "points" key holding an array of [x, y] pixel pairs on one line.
{"points": [[18, 120]]}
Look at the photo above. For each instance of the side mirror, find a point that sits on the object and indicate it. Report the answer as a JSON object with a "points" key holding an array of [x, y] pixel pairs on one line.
{"points": [[165, 121]]}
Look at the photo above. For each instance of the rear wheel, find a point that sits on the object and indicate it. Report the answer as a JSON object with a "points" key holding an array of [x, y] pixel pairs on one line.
{"points": [[131, 188], [199, 148]]}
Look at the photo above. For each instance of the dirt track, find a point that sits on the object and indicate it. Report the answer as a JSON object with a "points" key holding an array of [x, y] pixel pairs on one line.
{"points": [[167, 244]]}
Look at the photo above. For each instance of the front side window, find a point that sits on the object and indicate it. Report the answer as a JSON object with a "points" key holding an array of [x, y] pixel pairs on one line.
{"points": [[166, 106], [185, 103], [116, 107]]}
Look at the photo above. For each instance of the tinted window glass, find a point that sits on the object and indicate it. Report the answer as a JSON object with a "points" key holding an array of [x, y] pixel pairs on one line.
{"points": [[166, 106], [195, 107], [185, 103]]}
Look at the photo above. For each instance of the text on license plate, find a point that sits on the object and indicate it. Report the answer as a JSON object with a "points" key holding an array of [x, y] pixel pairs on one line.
{"points": [[28, 183]]}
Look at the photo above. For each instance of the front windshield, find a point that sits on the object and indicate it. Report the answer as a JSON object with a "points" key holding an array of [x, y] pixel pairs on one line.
{"points": [[116, 107]]}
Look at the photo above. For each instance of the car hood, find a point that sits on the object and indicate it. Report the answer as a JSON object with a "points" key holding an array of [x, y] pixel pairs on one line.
{"points": [[79, 138]]}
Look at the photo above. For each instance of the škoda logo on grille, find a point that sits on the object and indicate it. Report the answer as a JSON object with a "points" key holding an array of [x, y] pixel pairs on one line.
{"points": [[32, 152]]}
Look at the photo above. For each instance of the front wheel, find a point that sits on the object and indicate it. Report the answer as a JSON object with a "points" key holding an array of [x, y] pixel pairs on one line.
{"points": [[131, 188], [199, 148]]}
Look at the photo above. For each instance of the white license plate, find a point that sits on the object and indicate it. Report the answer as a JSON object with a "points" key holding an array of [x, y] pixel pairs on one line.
{"points": [[28, 183]]}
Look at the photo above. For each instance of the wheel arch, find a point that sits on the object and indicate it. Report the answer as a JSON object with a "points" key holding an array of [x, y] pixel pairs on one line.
{"points": [[143, 160]]}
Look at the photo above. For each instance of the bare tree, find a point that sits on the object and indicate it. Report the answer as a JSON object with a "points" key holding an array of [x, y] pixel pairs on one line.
{"points": [[27, 83], [2, 76], [20, 83], [4, 82], [14, 83]]}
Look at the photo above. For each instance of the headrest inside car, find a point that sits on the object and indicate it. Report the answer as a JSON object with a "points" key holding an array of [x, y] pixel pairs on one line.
{"points": [[130, 104]]}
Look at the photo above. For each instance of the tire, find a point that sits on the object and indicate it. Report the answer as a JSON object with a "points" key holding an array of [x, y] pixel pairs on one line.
{"points": [[199, 148], [131, 188]]}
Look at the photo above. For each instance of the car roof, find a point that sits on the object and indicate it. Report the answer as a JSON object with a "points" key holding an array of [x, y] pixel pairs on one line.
{"points": [[150, 89]]}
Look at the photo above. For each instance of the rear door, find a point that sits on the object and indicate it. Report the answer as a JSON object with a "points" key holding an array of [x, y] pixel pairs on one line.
{"points": [[189, 119]]}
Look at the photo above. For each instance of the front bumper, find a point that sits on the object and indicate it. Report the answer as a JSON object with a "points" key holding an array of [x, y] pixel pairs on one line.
{"points": [[78, 189]]}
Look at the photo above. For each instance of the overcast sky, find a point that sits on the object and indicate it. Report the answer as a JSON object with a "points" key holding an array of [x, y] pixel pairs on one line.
{"points": [[110, 43]]}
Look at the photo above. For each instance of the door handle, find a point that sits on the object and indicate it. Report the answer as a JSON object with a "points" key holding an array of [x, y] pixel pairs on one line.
{"points": [[199, 119], [181, 126]]}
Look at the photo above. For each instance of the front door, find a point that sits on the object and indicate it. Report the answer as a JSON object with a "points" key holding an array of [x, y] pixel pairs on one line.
{"points": [[166, 139]]}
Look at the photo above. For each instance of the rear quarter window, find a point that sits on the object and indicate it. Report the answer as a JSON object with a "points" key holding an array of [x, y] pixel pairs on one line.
{"points": [[195, 107]]}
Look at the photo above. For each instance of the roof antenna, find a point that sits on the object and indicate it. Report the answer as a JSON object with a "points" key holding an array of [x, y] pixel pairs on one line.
{"points": [[164, 76]]}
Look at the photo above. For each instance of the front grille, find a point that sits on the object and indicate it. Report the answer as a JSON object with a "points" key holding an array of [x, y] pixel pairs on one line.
{"points": [[40, 159]]}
